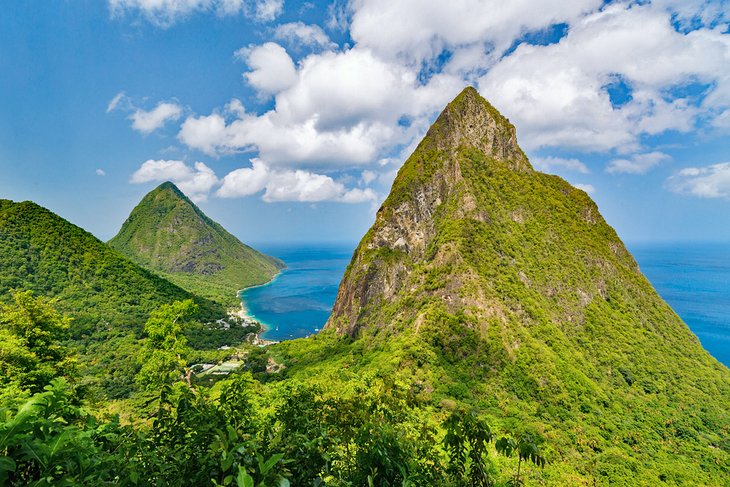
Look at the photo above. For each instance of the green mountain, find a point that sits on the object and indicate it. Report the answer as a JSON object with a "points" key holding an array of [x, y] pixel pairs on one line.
{"points": [[168, 233], [42, 252], [486, 282], [108, 297]]}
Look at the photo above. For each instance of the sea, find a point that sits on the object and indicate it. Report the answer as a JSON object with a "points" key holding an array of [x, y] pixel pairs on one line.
{"points": [[299, 300], [693, 278]]}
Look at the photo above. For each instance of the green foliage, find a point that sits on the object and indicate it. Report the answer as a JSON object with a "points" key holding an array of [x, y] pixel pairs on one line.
{"points": [[31, 352], [107, 296], [466, 440], [165, 349], [523, 312], [169, 234], [526, 449], [41, 252], [51, 441]]}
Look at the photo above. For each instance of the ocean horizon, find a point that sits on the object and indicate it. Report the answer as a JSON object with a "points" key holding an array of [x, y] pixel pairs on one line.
{"points": [[694, 278]]}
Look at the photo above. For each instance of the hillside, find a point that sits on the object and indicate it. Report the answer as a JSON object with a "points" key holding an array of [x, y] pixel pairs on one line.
{"points": [[169, 234], [108, 297], [42, 252], [491, 284]]}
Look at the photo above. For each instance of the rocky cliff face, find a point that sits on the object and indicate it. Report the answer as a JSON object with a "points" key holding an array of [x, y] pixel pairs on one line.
{"points": [[467, 176]]}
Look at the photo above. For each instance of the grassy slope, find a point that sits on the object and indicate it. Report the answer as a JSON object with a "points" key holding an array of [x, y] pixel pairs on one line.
{"points": [[169, 234], [538, 315]]}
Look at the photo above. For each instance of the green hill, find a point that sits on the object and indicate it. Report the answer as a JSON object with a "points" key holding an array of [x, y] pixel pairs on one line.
{"points": [[42, 252], [108, 297], [169, 234], [485, 282]]}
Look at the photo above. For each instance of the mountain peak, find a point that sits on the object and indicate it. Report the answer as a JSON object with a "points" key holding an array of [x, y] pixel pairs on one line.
{"points": [[168, 185], [168, 233], [470, 121]]}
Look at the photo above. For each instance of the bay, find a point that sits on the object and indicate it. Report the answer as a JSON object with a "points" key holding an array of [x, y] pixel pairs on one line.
{"points": [[299, 300]]}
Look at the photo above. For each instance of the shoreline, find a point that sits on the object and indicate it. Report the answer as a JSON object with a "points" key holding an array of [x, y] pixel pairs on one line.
{"points": [[244, 313]]}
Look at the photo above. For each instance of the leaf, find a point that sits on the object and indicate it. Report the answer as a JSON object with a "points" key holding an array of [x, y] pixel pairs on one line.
{"points": [[227, 461], [243, 479], [265, 467], [7, 464]]}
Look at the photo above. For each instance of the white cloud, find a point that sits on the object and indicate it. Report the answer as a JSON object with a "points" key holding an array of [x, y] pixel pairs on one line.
{"points": [[100, 172], [272, 70], [368, 177], [417, 30], [588, 188], [196, 182], [268, 10], [343, 109], [558, 97], [637, 164], [164, 13], [300, 34], [550, 164], [289, 185], [339, 108], [703, 182], [147, 122], [115, 102]]}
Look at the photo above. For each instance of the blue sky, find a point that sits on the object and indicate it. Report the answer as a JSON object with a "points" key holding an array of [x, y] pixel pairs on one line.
{"points": [[287, 120]]}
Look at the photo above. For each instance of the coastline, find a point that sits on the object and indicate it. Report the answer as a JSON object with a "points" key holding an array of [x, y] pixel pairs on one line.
{"points": [[244, 313]]}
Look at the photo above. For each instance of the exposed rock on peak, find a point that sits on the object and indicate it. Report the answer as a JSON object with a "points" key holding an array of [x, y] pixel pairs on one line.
{"points": [[470, 121]]}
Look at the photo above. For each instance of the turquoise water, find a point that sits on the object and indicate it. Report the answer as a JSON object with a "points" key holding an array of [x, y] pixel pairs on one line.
{"points": [[693, 278], [299, 301]]}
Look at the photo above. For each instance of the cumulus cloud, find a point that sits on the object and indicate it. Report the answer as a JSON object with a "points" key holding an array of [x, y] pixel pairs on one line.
{"points": [[368, 177], [100, 172], [164, 13], [340, 108], [289, 185], [703, 182], [196, 182], [343, 108], [147, 122], [360, 104], [550, 164], [569, 103], [300, 34], [637, 164], [267, 10], [559, 94], [415, 31], [272, 70]]}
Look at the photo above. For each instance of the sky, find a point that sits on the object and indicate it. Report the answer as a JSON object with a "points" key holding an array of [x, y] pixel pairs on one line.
{"points": [[286, 121]]}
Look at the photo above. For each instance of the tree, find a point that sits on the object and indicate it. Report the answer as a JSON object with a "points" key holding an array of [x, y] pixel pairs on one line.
{"points": [[466, 442], [165, 349], [526, 449], [31, 352]]}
